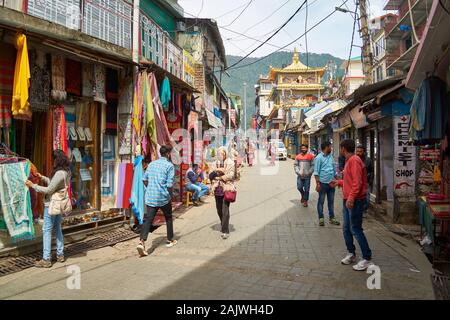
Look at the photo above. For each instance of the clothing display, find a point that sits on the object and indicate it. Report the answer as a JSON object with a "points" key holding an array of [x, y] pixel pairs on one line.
{"points": [[137, 191], [7, 58], [15, 200], [20, 104], [124, 185], [99, 83], [59, 78], [73, 77], [112, 101], [165, 94], [39, 82], [87, 80], [150, 113]]}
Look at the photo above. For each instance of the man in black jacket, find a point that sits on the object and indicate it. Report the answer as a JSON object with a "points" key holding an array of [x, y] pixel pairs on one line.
{"points": [[361, 152]]}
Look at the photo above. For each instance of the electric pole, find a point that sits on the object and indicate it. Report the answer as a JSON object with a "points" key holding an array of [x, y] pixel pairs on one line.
{"points": [[367, 55]]}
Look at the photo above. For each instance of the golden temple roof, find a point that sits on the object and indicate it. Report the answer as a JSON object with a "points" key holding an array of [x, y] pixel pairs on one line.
{"points": [[295, 67]]}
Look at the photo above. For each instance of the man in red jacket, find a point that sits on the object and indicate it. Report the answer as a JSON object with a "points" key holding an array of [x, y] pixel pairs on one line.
{"points": [[354, 193]]}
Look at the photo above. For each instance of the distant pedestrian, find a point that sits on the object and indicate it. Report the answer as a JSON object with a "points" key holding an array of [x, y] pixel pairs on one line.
{"points": [[354, 193], [272, 153], [222, 180], [324, 173], [304, 168], [361, 152], [158, 179], [193, 184], [250, 151]]}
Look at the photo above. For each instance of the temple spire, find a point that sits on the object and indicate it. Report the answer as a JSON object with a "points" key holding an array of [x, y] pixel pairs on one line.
{"points": [[295, 58]]}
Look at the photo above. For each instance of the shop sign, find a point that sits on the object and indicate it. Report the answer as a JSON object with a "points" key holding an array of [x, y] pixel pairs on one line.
{"points": [[233, 116], [404, 159], [188, 68], [173, 122]]}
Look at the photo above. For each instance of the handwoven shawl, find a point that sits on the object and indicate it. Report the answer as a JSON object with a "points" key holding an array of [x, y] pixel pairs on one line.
{"points": [[73, 77], [7, 56], [39, 82], [165, 94], [15, 200], [20, 104], [59, 78], [99, 83], [137, 191], [87, 79]]}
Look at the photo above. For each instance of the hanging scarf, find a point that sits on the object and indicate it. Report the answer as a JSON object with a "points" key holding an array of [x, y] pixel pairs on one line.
{"points": [[137, 191], [73, 77], [59, 78], [15, 200], [99, 84], [150, 114], [87, 76], [20, 104], [40, 83], [165, 94], [7, 56]]}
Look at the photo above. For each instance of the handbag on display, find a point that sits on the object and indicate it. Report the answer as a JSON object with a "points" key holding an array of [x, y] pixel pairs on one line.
{"points": [[60, 202]]}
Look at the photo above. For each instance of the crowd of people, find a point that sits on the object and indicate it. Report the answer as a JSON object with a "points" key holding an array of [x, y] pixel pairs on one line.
{"points": [[355, 177]]}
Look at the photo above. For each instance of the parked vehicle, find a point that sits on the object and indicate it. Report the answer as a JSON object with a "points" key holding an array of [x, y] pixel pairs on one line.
{"points": [[281, 151]]}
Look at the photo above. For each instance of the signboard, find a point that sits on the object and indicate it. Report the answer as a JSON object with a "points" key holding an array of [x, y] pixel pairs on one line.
{"points": [[404, 159], [233, 116], [188, 68], [173, 121]]}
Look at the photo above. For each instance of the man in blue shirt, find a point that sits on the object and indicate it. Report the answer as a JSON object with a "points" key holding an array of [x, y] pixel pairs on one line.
{"points": [[192, 184], [324, 173], [158, 180]]}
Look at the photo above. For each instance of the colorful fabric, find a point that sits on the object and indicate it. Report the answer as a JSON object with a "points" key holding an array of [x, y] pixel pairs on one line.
{"points": [[160, 175], [124, 185], [112, 101], [87, 80], [20, 104], [150, 113], [73, 77], [165, 94], [99, 83], [39, 82], [15, 200], [59, 78], [7, 56], [137, 191], [120, 186]]}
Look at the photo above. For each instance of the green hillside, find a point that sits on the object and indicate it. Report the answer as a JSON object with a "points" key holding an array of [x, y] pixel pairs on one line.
{"points": [[251, 73]]}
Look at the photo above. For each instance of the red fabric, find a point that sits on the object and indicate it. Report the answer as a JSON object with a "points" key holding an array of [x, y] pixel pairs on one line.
{"points": [[128, 185], [355, 179], [73, 77]]}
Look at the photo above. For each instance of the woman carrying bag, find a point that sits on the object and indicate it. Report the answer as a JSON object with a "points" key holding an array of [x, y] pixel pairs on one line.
{"points": [[57, 203], [222, 179]]}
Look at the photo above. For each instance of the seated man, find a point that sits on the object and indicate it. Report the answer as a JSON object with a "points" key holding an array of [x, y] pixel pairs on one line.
{"points": [[193, 184]]}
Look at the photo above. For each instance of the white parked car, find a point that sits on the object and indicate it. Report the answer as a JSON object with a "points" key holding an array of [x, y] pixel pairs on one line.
{"points": [[281, 151]]}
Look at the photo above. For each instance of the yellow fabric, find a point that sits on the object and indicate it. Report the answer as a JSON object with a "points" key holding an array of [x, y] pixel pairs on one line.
{"points": [[20, 104], [136, 108], [150, 114], [437, 177]]}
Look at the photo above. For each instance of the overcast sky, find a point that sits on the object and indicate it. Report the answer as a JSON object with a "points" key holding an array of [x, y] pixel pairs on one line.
{"points": [[332, 36]]}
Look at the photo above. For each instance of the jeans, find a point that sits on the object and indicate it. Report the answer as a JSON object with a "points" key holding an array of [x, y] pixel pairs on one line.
{"points": [[352, 227], [303, 185], [199, 190], [150, 216], [326, 190], [51, 222], [223, 210]]}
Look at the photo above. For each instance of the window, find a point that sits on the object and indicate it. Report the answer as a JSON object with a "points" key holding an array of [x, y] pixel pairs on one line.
{"points": [[266, 86], [379, 74]]}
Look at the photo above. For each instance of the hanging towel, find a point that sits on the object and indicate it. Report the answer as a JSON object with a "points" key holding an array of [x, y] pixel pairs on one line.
{"points": [[73, 77], [39, 82], [99, 84], [165, 94], [7, 56], [59, 78], [20, 104], [87, 79], [15, 200], [137, 192]]}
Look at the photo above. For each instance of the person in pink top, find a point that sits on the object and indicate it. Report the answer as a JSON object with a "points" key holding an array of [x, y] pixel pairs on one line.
{"points": [[354, 192]]}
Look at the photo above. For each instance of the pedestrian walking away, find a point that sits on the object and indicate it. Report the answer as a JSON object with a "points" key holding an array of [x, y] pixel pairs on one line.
{"points": [[304, 168], [361, 152], [354, 194], [56, 203], [193, 184], [158, 180], [222, 179], [324, 173]]}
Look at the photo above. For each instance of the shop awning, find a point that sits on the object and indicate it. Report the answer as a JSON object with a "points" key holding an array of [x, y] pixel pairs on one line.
{"points": [[213, 120]]}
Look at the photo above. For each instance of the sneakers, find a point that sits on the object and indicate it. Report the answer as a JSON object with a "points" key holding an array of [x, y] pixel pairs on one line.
{"points": [[170, 244], [225, 236], [60, 259], [333, 221], [43, 264], [362, 265], [321, 222], [141, 250], [349, 259]]}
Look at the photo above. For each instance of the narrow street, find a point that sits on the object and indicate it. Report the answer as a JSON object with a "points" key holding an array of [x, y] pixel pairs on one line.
{"points": [[276, 251]]}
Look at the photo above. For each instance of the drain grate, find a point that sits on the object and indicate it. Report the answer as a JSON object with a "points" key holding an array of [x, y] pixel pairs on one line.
{"points": [[441, 287], [16, 264]]}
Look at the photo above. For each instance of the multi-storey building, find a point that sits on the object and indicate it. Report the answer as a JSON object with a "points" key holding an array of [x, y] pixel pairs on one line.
{"points": [[353, 77], [263, 104]]}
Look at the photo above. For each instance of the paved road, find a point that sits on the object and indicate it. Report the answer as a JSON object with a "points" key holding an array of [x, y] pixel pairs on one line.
{"points": [[276, 251]]}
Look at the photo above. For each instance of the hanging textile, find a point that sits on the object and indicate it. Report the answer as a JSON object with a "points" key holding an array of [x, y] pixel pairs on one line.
{"points": [[7, 56], [99, 83], [73, 77], [137, 191], [150, 113], [429, 110], [48, 143], [60, 130], [112, 101], [82, 114], [20, 104], [124, 185], [59, 78], [15, 200], [165, 94], [36, 199], [39, 82], [87, 80]]}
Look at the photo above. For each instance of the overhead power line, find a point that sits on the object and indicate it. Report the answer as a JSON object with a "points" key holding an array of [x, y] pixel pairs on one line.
{"points": [[273, 35], [290, 43], [240, 14]]}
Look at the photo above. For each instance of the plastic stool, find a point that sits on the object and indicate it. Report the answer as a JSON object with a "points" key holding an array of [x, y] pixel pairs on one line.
{"points": [[189, 198]]}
